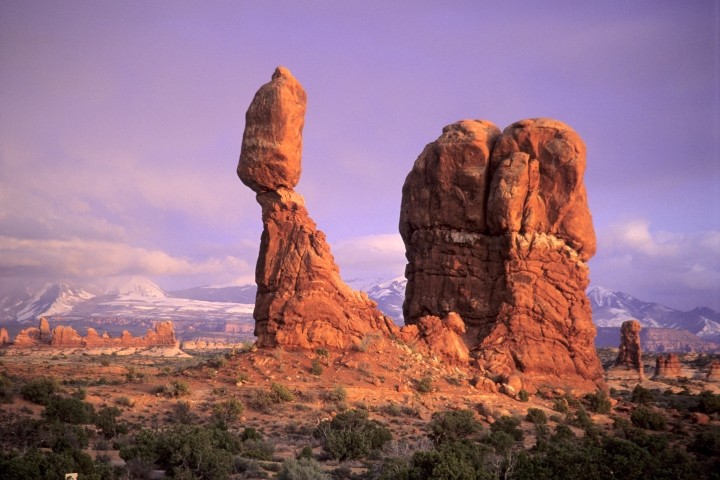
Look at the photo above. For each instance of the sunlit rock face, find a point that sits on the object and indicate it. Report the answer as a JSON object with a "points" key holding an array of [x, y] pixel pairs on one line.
{"points": [[497, 229], [301, 299], [668, 366], [629, 350]]}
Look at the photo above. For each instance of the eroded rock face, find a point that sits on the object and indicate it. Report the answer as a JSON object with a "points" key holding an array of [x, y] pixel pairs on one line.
{"points": [[301, 299], [440, 336], [497, 229], [668, 366], [163, 335], [630, 352], [713, 373], [4, 337]]}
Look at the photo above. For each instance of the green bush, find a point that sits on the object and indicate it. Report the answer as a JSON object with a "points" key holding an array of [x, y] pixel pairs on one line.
{"points": [[599, 402], [561, 405], [107, 421], [351, 435], [424, 385], [509, 425], [227, 412], [252, 445], [69, 410], [302, 469], [642, 396], [645, 417], [316, 369], [709, 402], [281, 393], [536, 416], [39, 390], [337, 394], [452, 425]]}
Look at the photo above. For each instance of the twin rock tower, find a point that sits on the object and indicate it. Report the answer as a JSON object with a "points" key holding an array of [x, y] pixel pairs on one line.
{"points": [[497, 233]]}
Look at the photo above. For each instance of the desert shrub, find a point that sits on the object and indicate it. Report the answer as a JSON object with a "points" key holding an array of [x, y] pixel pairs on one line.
{"points": [[536, 416], [178, 388], [560, 405], [107, 421], [642, 396], [252, 445], [302, 469], [306, 452], [6, 389], [184, 451], [316, 369], [182, 413], [227, 412], [61, 437], [39, 390], [395, 410], [452, 425], [645, 417], [707, 442], [217, 361], [36, 465], [599, 402], [709, 402], [523, 395], [351, 435], [424, 385], [509, 425], [337, 394], [124, 402], [281, 393], [69, 410], [452, 460]]}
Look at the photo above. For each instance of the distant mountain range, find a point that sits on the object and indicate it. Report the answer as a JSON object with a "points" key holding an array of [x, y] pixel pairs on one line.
{"points": [[200, 310]]}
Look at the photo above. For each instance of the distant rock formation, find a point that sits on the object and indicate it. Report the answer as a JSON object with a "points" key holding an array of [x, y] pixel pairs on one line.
{"points": [[163, 335], [714, 371], [630, 352], [497, 230], [301, 299], [4, 337], [668, 366]]}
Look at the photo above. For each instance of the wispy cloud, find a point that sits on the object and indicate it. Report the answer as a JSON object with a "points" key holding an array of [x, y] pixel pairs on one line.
{"points": [[370, 256], [681, 270]]}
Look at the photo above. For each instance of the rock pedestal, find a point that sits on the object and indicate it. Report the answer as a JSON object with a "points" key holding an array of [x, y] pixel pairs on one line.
{"points": [[630, 352], [668, 366], [497, 230], [301, 299]]}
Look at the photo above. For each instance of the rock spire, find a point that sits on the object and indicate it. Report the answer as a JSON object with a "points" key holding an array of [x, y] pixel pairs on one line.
{"points": [[301, 299]]}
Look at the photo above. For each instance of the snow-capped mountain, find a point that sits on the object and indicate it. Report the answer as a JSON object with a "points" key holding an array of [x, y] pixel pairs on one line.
{"points": [[611, 308], [134, 287], [389, 296], [26, 305]]}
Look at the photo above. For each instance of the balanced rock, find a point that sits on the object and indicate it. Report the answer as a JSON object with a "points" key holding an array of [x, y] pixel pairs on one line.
{"points": [[630, 352], [301, 299], [497, 229], [668, 366]]}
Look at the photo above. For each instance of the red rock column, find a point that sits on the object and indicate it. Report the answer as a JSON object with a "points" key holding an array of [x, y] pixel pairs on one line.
{"points": [[301, 299]]}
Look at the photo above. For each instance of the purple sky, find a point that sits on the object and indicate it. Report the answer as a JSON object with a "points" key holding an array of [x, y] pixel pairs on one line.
{"points": [[121, 122]]}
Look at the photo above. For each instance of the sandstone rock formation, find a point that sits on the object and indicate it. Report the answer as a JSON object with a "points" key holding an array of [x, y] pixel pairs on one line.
{"points": [[713, 374], [668, 366], [440, 336], [497, 229], [301, 299], [630, 352], [4, 337], [163, 335]]}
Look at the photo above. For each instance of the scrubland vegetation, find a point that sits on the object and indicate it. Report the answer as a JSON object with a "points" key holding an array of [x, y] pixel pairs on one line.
{"points": [[220, 419]]}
